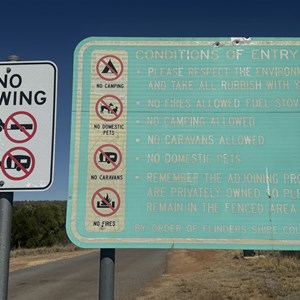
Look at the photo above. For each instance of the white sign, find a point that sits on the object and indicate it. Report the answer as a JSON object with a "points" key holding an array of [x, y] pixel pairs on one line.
{"points": [[27, 124]]}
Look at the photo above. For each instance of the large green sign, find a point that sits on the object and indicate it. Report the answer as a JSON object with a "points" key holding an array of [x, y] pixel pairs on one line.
{"points": [[185, 143]]}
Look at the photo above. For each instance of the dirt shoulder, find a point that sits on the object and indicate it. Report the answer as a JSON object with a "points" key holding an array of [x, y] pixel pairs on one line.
{"points": [[221, 274], [21, 259]]}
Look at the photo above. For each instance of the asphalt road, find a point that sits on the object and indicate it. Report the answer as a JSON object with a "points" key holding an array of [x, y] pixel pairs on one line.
{"points": [[78, 277]]}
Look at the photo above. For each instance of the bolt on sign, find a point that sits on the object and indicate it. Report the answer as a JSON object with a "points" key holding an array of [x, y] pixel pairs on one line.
{"points": [[27, 124], [185, 143]]}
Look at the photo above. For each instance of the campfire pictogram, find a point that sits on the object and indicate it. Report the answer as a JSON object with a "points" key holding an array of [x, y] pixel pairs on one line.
{"points": [[107, 202]]}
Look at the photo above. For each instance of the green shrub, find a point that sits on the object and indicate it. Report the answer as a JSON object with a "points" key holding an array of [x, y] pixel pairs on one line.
{"points": [[38, 224]]}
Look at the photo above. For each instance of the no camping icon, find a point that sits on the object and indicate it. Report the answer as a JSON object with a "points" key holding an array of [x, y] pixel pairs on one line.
{"points": [[109, 67]]}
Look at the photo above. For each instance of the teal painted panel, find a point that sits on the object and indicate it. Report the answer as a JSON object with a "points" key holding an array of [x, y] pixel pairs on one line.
{"points": [[185, 143]]}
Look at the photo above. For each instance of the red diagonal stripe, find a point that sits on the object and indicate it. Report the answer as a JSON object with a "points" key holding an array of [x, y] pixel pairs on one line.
{"points": [[22, 128], [18, 164], [108, 66], [105, 201], [113, 163]]}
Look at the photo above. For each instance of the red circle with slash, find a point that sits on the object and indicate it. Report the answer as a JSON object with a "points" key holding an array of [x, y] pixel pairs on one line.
{"points": [[111, 159], [110, 64], [103, 204], [102, 106], [24, 163], [17, 131]]}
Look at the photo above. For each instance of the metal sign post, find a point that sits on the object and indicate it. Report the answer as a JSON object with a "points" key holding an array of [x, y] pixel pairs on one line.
{"points": [[107, 274], [6, 204]]}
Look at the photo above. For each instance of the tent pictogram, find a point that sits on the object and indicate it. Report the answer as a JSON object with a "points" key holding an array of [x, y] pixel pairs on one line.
{"points": [[110, 67]]}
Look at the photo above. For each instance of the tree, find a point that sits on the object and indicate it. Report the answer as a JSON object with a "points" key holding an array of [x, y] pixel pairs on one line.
{"points": [[39, 224]]}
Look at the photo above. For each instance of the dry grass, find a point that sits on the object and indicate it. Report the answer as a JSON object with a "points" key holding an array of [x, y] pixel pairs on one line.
{"points": [[24, 258], [226, 275], [43, 250]]}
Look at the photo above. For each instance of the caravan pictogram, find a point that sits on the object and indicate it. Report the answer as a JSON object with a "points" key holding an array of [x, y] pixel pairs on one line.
{"points": [[106, 202], [17, 163], [20, 127], [110, 67], [109, 108], [107, 158]]}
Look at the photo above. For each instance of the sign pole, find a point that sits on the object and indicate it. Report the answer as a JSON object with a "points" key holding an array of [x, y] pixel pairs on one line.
{"points": [[6, 207], [107, 274], [6, 204]]}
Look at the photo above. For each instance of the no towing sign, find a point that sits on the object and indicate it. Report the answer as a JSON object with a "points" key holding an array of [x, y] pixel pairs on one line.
{"points": [[27, 124]]}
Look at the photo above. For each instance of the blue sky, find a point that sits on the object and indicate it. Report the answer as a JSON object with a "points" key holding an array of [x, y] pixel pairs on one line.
{"points": [[50, 30]]}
